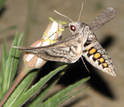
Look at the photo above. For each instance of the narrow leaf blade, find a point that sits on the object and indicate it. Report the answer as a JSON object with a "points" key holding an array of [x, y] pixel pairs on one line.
{"points": [[20, 89], [45, 91], [4, 58], [24, 97], [16, 57], [56, 99], [9, 64]]}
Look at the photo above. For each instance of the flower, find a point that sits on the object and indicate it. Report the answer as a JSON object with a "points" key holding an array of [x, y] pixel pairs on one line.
{"points": [[51, 35]]}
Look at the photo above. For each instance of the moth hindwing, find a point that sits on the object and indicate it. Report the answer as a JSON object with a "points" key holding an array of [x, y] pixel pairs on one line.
{"points": [[82, 42]]}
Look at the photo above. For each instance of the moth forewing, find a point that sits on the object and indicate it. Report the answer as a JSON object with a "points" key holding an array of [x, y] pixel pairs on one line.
{"points": [[68, 50]]}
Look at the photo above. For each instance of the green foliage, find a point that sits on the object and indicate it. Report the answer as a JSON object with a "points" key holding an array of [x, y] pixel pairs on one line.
{"points": [[22, 94], [63, 95], [9, 64], [26, 95]]}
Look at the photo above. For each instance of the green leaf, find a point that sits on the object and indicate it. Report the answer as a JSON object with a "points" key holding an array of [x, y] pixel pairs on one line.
{"points": [[9, 64], [17, 102], [60, 97], [16, 57], [45, 91], [8, 69], [64, 98], [4, 58], [61, 100], [20, 89]]}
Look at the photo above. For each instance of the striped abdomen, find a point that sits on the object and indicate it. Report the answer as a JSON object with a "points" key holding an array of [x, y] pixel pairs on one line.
{"points": [[98, 57]]}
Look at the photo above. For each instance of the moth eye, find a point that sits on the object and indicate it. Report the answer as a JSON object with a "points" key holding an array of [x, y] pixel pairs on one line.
{"points": [[72, 27]]}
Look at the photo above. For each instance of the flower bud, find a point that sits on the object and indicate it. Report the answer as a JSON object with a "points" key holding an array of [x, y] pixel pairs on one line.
{"points": [[50, 36]]}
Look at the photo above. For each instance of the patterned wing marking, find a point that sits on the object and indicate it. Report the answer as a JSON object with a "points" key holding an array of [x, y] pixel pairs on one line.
{"points": [[68, 50]]}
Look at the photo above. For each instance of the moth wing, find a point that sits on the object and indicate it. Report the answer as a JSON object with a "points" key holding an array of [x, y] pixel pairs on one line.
{"points": [[67, 50], [103, 18]]}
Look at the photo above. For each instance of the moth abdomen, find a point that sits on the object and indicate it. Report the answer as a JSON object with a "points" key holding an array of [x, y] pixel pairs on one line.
{"points": [[99, 58]]}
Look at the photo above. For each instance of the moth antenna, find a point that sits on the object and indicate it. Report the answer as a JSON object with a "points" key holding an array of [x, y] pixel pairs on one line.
{"points": [[63, 15], [80, 12], [85, 64]]}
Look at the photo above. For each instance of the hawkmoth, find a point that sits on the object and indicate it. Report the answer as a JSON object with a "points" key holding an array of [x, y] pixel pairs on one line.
{"points": [[82, 42]]}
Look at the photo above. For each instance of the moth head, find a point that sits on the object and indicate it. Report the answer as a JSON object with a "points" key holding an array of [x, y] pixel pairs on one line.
{"points": [[74, 27]]}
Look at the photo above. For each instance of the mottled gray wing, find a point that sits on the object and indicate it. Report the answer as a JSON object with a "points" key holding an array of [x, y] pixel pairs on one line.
{"points": [[68, 50], [103, 18]]}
